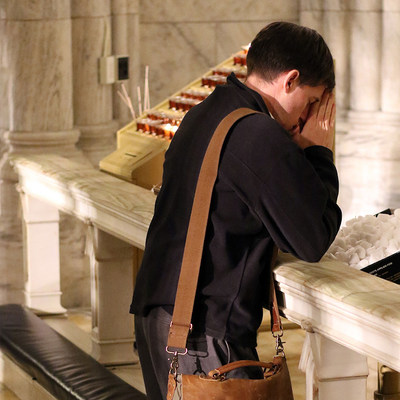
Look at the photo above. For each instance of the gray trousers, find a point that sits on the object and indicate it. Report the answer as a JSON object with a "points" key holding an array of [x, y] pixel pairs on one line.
{"points": [[205, 353]]}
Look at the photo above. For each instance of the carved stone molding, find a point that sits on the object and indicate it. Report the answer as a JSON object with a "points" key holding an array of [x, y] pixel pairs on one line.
{"points": [[31, 141]]}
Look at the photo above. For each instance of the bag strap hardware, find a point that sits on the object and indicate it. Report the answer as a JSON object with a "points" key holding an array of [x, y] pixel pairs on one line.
{"points": [[279, 346], [218, 377], [173, 367], [176, 352], [190, 326]]}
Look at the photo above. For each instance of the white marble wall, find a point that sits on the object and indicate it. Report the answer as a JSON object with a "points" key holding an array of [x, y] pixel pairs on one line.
{"points": [[182, 39]]}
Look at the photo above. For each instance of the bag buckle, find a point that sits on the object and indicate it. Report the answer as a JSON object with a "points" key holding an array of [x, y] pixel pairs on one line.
{"points": [[175, 352], [173, 367], [279, 344]]}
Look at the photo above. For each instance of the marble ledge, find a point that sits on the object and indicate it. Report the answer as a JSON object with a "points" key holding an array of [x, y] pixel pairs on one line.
{"points": [[349, 289], [81, 190]]}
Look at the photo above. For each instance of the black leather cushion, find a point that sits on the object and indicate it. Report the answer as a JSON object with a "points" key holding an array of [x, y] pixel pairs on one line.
{"points": [[62, 368]]}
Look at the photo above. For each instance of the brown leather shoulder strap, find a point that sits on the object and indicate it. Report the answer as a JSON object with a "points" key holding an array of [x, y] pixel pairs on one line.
{"points": [[187, 284], [276, 323]]}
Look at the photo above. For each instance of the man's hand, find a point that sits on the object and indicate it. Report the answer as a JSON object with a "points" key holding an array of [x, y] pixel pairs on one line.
{"points": [[319, 127]]}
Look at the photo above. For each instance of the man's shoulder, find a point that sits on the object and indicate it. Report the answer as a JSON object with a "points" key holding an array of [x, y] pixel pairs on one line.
{"points": [[260, 128]]}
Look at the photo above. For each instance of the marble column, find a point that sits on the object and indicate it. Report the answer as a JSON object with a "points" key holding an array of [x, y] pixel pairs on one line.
{"points": [[36, 110], [112, 287], [125, 34], [42, 274], [134, 40], [336, 34], [93, 110], [365, 55], [359, 156], [311, 12], [370, 163], [334, 370], [390, 95]]}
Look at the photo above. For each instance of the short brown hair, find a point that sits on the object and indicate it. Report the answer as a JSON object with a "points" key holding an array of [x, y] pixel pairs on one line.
{"points": [[282, 46]]}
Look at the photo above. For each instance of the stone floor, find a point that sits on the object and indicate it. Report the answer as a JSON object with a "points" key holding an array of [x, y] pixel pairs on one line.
{"points": [[76, 327], [6, 394]]}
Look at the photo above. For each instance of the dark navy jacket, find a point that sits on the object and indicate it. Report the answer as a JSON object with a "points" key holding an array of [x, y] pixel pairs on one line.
{"points": [[267, 190]]}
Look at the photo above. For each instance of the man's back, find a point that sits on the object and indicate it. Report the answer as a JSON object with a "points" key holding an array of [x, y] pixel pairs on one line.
{"points": [[249, 204]]}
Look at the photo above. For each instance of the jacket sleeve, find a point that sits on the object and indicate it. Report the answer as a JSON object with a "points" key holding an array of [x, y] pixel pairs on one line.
{"points": [[292, 191], [302, 215]]}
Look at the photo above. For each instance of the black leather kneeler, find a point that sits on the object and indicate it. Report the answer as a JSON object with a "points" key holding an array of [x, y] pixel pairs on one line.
{"points": [[58, 365]]}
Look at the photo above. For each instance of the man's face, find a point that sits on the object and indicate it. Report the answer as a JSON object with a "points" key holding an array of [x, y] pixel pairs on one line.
{"points": [[295, 106]]}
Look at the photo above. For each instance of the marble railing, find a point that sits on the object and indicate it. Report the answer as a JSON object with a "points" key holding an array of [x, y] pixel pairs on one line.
{"points": [[88, 194], [348, 314], [117, 214]]}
